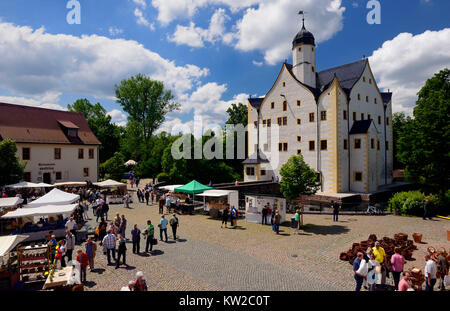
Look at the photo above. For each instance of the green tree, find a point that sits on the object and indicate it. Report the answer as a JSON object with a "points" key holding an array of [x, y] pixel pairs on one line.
{"points": [[100, 123], [114, 167], [146, 101], [297, 178], [11, 170], [399, 122], [424, 147], [237, 114]]}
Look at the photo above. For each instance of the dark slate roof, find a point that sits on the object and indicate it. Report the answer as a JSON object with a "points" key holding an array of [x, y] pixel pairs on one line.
{"points": [[256, 102], [256, 159], [347, 75], [387, 96], [360, 127], [303, 37]]}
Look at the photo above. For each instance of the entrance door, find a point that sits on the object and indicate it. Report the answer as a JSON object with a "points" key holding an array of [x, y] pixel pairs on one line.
{"points": [[47, 178]]}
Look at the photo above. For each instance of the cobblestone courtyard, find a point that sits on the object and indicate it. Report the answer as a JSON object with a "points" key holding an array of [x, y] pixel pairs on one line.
{"points": [[253, 257]]}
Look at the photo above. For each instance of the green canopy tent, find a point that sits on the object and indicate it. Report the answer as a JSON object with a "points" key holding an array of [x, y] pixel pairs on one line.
{"points": [[194, 187]]}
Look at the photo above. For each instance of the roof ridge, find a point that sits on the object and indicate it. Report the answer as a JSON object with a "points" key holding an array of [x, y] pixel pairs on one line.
{"points": [[39, 108], [336, 67]]}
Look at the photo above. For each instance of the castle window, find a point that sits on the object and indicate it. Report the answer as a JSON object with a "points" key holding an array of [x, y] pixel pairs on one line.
{"points": [[387, 145], [372, 143], [280, 121], [299, 48], [263, 172], [375, 100], [283, 147], [298, 103], [323, 144], [358, 176], [25, 153], [357, 143], [354, 116], [312, 49], [299, 151], [345, 144], [264, 123], [378, 145], [379, 119], [91, 153], [312, 145], [284, 84], [364, 79], [323, 115], [345, 114], [86, 172], [313, 69], [57, 153], [284, 106], [299, 121], [256, 124], [362, 116], [80, 153], [269, 122], [369, 117], [284, 120], [387, 121], [359, 96], [367, 99], [272, 105], [311, 117], [370, 81], [266, 147], [250, 171], [58, 176], [299, 138]]}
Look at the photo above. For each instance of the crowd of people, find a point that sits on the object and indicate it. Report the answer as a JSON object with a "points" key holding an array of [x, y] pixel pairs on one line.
{"points": [[370, 270]]}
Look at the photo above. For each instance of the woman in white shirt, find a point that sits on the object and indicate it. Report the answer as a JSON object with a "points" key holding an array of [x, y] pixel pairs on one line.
{"points": [[373, 273]]}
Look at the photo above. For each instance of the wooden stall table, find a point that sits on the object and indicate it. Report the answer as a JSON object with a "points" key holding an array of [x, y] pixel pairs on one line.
{"points": [[58, 280]]}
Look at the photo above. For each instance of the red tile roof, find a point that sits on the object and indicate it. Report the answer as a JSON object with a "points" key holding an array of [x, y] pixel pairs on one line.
{"points": [[45, 126]]}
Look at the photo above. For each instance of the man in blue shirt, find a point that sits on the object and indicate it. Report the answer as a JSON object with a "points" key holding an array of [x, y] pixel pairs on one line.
{"points": [[358, 277], [163, 227]]}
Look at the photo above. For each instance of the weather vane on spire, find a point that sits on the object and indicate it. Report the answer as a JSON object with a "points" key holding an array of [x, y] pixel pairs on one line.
{"points": [[302, 13]]}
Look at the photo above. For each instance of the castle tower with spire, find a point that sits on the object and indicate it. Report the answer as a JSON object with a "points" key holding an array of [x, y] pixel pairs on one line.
{"points": [[304, 56]]}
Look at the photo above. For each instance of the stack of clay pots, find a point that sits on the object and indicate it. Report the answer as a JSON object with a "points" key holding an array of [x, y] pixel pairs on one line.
{"points": [[435, 253], [417, 277], [400, 241]]}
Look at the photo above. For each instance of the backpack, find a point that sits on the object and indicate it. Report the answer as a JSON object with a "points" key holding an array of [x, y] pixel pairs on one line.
{"points": [[173, 221]]}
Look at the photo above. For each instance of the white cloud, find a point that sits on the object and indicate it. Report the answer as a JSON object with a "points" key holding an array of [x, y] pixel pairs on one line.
{"points": [[35, 63], [404, 63], [272, 26], [141, 20], [259, 64], [118, 117], [114, 31], [49, 101], [355, 4], [140, 3], [195, 36]]}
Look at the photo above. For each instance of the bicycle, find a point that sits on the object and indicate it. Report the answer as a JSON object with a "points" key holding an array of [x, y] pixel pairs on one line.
{"points": [[373, 210]]}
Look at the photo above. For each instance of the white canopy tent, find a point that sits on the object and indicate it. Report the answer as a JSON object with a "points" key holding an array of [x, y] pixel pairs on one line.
{"points": [[170, 188], [10, 202], [44, 185], [26, 184], [46, 210], [232, 196], [55, 197], [71, 184], [130, 163], [8, 242], [109, 184]]}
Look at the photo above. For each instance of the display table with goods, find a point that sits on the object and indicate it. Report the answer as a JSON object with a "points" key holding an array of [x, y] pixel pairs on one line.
{"points": [[33, 262], [58, 278]]}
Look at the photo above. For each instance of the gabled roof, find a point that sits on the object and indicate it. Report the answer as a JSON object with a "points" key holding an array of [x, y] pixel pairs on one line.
{"points": [[38, 125], [387, 96], [347, 75], [256, 102], [360, 127]]}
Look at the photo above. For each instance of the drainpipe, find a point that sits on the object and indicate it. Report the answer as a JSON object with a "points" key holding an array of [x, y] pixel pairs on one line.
{"points": [[348, 142], [318, 144], [385, 151]]}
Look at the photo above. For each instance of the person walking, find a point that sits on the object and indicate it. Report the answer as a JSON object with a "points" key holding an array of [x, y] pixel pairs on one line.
{"points": [[147, 195], [233, 216], [136, 239], [83, 261], [443, 267], [264, 215], [70, 244], [140, 285], [121, 251], [276, 222], [163, 227], [61, 253], [149, 233], [297, 221], [102, 230], [109, 242], [70, 225], [91, 249], [358, 277], [397, 261], [123, 226], [430, 273], [162, 201], [152, 195], [372, 274], [380, 256], [174, 223], [225, 215], [426, 210], [336, 207], [105, 210]]}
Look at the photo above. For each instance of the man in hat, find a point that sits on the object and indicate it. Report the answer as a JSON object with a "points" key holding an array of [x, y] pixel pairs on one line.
{"points": [[174, 223]]}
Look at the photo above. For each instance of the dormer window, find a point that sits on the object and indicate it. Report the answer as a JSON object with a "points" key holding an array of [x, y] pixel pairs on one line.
{"points": [[70, 129], [72, 132]]}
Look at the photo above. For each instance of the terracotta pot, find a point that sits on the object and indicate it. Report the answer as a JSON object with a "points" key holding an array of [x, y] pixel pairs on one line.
{"points": [[417, 237], [448, 235]]}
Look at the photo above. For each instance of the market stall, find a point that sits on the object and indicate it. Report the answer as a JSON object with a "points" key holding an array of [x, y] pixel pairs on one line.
{"points": [[26, 184], [55, 197], [216, 200], [71, 184], [8, 260], [194, 187], [170, 188], [7, 204], [37, 221], [114, 191], [59, 278], [254, 204]]}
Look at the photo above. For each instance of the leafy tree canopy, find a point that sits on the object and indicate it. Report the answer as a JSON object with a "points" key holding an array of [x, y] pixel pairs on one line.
{"points": [[115, 167], [11, 170], [237, 114]]}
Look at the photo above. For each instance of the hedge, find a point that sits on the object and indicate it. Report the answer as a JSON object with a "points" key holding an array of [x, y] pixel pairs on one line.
{"points": [[411, 203]]}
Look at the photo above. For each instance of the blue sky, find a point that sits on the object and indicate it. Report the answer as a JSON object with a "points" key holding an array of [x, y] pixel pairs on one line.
{"points": [[209, 52]]}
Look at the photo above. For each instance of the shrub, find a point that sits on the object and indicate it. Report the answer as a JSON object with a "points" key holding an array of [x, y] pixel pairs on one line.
{"points": [[411, 203], [163, 177]]}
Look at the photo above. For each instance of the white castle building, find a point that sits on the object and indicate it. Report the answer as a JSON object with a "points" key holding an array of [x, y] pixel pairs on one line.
{"points": [[337, 119]]}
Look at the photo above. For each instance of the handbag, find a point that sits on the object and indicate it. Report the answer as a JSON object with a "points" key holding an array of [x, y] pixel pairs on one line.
{"points": [[154, 241]]}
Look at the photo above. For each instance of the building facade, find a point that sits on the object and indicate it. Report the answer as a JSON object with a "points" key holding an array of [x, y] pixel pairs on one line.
{"points": [[56, 146], [337, 119]]}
